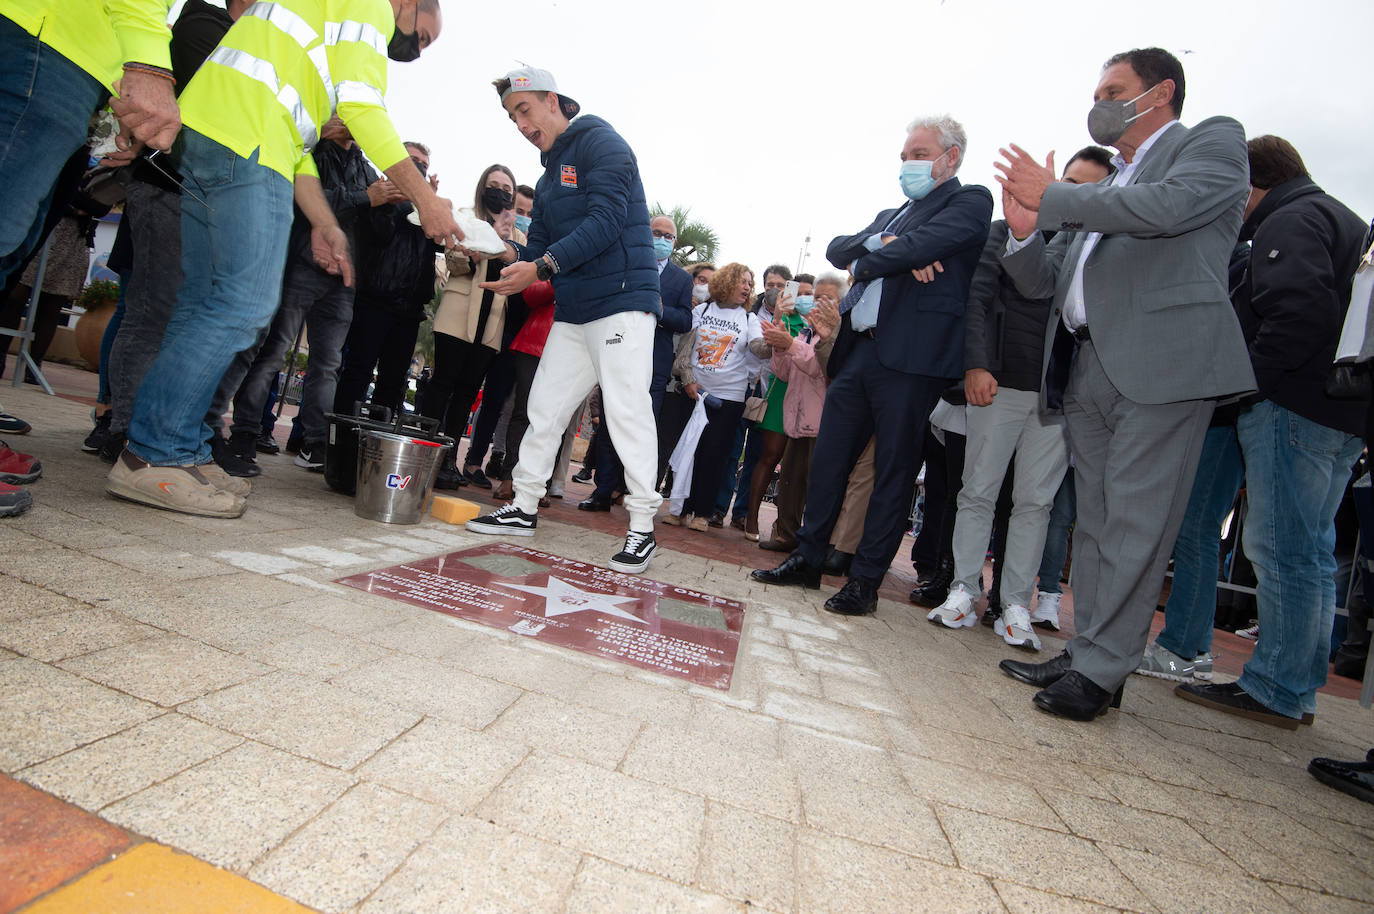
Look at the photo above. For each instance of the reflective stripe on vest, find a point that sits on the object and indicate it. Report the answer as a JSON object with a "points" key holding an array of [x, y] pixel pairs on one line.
{"points": [[262, 71], [290, 22], [352, 30], [352, 90]]}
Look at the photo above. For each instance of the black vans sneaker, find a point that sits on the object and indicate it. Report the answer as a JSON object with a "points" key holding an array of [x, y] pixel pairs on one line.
{"points": [[508, 520], [634, 558]]}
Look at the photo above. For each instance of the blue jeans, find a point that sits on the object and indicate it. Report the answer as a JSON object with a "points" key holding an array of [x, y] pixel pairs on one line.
{"points": [[1062, 515], [1190, 614], [1296, 472], [232, 256], [46, 102]]}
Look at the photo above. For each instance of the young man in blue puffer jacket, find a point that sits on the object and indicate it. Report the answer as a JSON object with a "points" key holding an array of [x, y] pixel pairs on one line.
{"points": [[589, 233]]}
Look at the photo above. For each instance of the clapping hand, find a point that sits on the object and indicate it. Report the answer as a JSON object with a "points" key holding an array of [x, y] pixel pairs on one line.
{"points": [[776, 336], [824, 317], [1023, 181]]}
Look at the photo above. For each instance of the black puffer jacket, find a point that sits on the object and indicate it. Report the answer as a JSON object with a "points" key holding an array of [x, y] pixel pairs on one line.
{"points": [[395, 260], [1292, 302], [1004, 332], [344, 178]]}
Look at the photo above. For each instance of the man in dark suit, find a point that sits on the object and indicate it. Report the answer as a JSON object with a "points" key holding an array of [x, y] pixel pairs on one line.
{"points": [[675, 297], [900, 344], [1140, 342]]}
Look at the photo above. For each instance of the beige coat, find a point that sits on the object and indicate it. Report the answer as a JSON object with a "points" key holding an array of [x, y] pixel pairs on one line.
{"points": [[461, 306]]}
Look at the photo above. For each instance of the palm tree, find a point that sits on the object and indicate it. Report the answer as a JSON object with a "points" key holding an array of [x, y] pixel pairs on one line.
{"points": [[696, 241]]}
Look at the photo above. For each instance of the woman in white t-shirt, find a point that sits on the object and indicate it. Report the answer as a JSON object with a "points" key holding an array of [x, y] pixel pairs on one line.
{"points": [[726, 349]]}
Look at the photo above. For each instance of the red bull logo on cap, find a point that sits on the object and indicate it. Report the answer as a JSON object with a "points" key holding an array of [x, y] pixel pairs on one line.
{"points": [[520, 82]]}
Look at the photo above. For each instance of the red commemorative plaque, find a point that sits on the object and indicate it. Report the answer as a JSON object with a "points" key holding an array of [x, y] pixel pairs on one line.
{"points": [[677, 631]]}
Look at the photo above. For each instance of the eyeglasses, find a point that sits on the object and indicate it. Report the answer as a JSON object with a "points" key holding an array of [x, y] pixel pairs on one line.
{"points": [[659, 233]]}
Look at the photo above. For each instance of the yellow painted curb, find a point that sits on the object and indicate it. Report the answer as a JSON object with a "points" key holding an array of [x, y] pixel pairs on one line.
{"points": [[151, 877]]}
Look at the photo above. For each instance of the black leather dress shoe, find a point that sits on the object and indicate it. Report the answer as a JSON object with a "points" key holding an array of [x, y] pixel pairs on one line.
{"points": [[793, 570], [594, 504], [855, 598], [1039, 675], [1354, 778], [1076, 697], [837, 562]]}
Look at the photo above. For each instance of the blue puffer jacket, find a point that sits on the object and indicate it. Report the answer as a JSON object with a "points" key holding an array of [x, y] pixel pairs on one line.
{"points": [[590, 214]]}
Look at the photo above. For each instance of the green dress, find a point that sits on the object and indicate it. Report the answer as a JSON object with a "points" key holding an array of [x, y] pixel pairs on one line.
{"points": [[772, 419]]}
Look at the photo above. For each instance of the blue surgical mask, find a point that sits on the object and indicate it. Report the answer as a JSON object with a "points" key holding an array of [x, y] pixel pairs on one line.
{"points": [[663, 247], [916, 177], [804, 304], [522, 223]]}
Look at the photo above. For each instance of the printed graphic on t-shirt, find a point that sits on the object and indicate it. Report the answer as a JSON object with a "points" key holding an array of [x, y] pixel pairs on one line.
{"points": [[714, 344]]}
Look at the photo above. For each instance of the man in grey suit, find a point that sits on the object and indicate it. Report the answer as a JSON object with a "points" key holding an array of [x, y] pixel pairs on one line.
{"points": [[1141, 341]]}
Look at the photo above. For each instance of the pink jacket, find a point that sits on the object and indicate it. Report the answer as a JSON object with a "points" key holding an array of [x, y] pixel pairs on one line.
{"points": [[802, 366]]}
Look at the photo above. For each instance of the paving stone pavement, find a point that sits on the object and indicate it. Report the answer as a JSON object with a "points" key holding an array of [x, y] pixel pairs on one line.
{"points": [[205, 684]]}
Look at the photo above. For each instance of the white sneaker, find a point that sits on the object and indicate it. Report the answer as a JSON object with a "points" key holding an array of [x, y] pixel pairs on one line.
{"points": [[1046, 610], [956, 611], [1015, 628]]}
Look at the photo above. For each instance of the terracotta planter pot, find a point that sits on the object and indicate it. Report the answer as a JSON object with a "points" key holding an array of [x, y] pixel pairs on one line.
{"points": [[90, 330]]}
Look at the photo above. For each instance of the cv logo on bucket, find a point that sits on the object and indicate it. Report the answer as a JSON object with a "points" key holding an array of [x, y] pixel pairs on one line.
{"points": [[394, 481]]}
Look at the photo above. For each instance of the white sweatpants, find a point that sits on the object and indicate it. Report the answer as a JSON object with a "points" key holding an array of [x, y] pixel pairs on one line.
{"points": [[616, 352]]}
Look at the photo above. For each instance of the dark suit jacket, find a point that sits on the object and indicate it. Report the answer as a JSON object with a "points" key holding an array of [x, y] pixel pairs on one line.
{"points": [[675, 289], [920, 326], [675, 292]]}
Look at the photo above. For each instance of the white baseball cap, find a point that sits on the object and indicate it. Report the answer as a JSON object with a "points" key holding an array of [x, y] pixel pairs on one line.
{"points": [[531, 79]]}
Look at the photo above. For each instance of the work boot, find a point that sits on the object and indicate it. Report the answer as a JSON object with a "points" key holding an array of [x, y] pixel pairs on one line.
{"points": [[183, 489]]}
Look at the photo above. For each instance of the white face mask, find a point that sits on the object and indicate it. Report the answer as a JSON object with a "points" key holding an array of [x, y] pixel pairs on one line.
{"points": [[701, 293]]}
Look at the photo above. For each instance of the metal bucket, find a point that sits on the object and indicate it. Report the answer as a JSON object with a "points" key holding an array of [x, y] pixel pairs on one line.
{"points": [[396, 475]]}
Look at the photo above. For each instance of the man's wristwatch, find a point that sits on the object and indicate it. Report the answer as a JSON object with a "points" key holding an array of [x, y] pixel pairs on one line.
{"points": [[543, 268]]}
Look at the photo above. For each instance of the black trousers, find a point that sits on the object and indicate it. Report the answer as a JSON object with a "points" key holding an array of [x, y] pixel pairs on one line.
{"points": [[868, 400], [672, 419], [713, 451], [379, 339], [459, 367], [499, 385], [525, 366]]}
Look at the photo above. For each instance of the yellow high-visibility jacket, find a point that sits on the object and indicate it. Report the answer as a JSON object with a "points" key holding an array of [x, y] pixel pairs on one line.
{"points": [[283, 69], [99, 36]]}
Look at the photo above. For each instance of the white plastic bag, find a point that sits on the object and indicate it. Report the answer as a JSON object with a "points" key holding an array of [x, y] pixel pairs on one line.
{"points": [[478, 235]]}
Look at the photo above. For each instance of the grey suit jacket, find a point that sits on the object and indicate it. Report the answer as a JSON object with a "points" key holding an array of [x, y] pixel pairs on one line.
{"points": [[1155, 286]]}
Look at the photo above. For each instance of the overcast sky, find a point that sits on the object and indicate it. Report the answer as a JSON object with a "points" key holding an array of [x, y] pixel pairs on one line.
{"points": [[774, 120]]}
